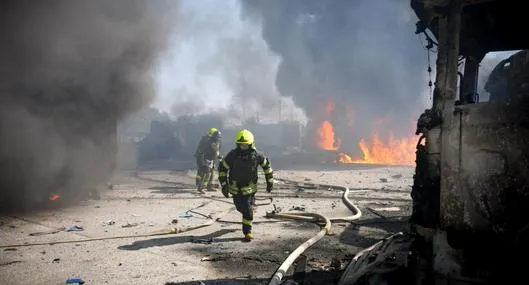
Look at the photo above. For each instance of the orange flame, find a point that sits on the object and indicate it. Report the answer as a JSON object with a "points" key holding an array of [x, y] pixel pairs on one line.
{"points": [[395, 152], [55, 197], [326, 137]]}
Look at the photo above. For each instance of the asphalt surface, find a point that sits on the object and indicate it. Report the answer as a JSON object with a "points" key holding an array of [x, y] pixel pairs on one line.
{"points": [[149, 202]]}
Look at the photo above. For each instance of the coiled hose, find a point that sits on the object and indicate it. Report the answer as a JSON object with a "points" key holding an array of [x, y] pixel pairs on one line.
{"points": [[312, 217]]}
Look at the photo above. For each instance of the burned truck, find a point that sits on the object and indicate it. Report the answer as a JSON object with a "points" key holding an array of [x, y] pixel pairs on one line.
{"points": [[509, 78], [471, 185]]}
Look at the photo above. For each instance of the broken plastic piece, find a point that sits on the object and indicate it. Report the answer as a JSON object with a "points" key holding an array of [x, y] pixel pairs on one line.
{"points": [[75, 228], [75, 281]]}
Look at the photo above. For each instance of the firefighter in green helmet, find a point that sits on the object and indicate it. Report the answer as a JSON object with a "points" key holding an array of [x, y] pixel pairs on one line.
{"points": [[207, 152], [238, 177]]}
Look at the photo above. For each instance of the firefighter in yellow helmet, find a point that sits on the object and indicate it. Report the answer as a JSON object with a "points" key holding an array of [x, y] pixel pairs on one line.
{"points": [[208, 151], [238, 177]]}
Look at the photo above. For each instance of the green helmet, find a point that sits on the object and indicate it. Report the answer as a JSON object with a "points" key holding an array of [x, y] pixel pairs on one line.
{"points": [[244, 137], [214, 132]]}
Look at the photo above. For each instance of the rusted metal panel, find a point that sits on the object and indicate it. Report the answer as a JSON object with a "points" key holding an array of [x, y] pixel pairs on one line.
{"points": [[486, 185], [485, 24]]}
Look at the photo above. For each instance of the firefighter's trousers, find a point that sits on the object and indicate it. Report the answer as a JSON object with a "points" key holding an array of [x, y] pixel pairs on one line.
{"points": [[204, 177], [244, 204]]}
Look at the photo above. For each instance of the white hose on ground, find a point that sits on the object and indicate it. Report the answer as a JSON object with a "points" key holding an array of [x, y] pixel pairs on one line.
{"points": [[281, 271], [276, 279]]}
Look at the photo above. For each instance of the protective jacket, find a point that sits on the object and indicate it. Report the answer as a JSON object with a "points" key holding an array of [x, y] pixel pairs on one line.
{"points": [[208, 148], [239, 170]]}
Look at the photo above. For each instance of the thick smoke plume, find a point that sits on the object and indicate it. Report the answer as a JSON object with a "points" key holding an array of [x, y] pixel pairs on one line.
{"points": [[70, 70], [363, 55], [229, 71]]}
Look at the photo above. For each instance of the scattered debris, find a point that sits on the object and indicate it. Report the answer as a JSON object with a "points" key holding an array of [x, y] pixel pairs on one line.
{"points": [[110, 222], [297, 208], [136, 215], [214, 258], [333, 205], [200, 214], [56, 260], [129, 225], [10, 262], [10, 249], [336, 263], [185, 215], [383, 180], [203, 240], [397, 176], [387, 209], [174, 221], [376, 213], [47, 232], [75, 228], [308, 179], [75, 281]]}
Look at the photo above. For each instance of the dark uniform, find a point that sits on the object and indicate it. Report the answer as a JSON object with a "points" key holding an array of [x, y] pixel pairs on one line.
{"points": [[238, 177], [208, 150]]}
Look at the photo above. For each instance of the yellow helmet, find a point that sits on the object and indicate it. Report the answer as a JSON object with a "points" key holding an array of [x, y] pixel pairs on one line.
{"points": [[244, 137], [213, 131]]}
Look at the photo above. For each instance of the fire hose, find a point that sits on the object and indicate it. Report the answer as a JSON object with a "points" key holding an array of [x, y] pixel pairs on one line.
{"points": [[311, 217]]}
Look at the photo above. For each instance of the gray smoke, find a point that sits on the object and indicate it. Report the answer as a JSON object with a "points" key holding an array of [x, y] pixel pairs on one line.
{"points": [[229, 69], [361, 54], [70, 70]]}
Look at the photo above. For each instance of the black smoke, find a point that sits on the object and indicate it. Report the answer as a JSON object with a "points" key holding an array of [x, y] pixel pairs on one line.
{"points": [[361, 54], [69, 71]]}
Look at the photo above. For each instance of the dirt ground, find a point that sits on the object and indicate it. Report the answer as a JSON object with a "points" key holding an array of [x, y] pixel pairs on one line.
{"points": [[153, 201]]}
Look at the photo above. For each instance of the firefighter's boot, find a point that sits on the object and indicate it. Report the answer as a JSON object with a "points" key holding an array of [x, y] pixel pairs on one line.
{"points": [[248, 236], [247, 229]]}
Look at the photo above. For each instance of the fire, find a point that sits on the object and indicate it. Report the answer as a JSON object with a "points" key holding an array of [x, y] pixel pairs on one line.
{"points": [[395, 152], [55, 197], [377, 151], [326, 137]]}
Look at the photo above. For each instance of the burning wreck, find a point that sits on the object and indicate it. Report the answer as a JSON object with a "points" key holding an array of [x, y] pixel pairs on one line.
{"points": [[470, 192]]}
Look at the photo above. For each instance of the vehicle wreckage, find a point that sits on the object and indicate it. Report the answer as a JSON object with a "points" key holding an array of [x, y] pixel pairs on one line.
{"points": [[470, 194]]}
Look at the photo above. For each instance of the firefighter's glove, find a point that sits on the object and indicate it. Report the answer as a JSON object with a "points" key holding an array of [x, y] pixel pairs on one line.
{"points": [[226, 191], [269, 187]]}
